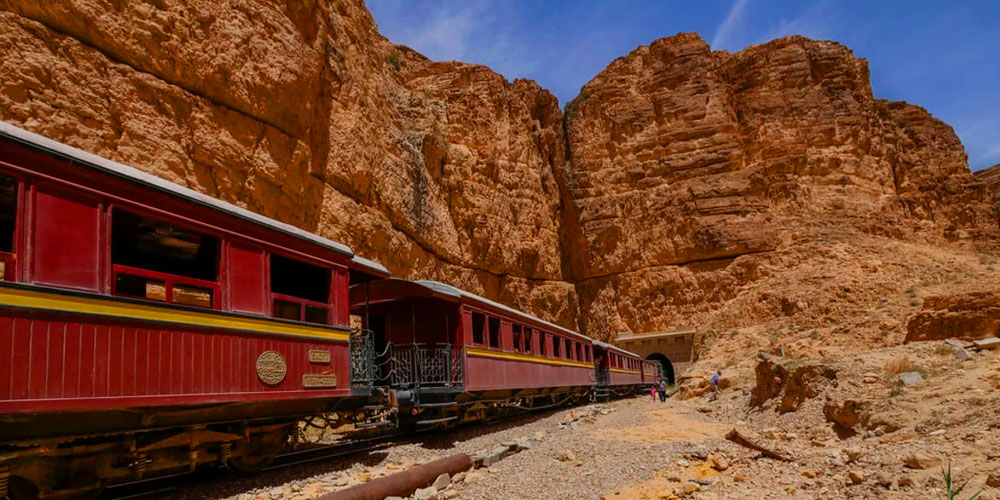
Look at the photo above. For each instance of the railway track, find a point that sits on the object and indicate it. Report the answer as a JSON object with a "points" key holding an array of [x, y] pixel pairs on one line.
{"points": [[162, 485]]}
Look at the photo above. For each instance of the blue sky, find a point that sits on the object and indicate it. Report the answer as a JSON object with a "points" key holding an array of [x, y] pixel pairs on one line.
{"points": [[944, 56]]}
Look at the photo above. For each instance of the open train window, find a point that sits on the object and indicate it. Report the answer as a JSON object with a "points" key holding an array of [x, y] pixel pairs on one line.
{"points": [[156, 260], [555, 346], [478, 324], [518, 337], [8, 225], [541, 343], [299, 291], [579, 351], [528, 348], [494, 324]]}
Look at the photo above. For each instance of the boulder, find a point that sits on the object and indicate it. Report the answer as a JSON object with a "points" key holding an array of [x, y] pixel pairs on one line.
{"points": [[921, 460], [911, 378], [990, 343], [442, 482], [429, 493]]}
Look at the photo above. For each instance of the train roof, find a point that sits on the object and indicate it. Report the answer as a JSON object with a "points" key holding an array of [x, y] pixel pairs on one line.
{"points": [[458, 293], [612, 347], [57, 149]]}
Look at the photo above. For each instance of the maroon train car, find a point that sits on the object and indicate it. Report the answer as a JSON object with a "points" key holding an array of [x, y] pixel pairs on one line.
{"points": [[446, 354], [148, 318], [617, 367]]}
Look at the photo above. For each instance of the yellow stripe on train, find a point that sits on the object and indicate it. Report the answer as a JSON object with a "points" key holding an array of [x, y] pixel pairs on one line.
{"points": [[486, 353], [67, 303]]}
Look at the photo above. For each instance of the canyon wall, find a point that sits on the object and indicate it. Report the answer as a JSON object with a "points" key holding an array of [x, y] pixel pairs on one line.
{"points": [[693, 171], [675, 182]]}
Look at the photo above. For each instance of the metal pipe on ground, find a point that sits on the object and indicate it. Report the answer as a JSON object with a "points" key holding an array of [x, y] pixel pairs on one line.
{"points": [[403, 483]]}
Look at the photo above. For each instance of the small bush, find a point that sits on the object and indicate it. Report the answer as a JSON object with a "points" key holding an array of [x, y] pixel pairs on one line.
{"points": [[899, 365], [393, 61]]}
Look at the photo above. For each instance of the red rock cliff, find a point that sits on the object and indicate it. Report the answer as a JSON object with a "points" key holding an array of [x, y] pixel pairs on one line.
{"points": [[675, 182], [694, 172]]}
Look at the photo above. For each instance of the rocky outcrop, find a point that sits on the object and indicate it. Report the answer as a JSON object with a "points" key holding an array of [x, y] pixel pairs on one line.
{"points": [[970, 316], [676, 180], [790, 381]]}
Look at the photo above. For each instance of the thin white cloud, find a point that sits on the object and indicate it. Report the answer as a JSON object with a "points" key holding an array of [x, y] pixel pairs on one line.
{"points": [[733, 19], [813, 22], [447, 35]]}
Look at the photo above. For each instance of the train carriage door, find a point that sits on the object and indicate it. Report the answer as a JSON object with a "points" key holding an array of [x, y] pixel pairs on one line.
{"points": [[65, 237]]}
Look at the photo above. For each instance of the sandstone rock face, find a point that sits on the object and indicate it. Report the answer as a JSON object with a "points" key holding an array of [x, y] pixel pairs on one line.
{"points": [[970, 316], [692, 169], [683, 186], [301, 111]]}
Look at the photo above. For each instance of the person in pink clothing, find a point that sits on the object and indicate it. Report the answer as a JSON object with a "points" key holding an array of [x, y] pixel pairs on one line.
{"points": [[652, 392]]}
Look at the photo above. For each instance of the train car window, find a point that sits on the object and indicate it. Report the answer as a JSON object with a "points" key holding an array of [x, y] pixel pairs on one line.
{"points": [[478, 325], [541, 343], [299, 291], [298, 279], [518, 337], [590, 354], [579, 351], [494, 326], [8, 224], [555, 346], [287, 310], [528, 348], [156, 260]]}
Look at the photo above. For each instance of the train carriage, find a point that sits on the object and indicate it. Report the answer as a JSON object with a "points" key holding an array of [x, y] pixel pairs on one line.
{"points": [[441, 347], [148, 318], [617, 367], [651, 373]]}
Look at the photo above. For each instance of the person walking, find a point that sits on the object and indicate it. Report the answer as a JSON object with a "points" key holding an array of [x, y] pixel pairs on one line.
{"points": [[652, 392], [662, 389], [715, 384]]}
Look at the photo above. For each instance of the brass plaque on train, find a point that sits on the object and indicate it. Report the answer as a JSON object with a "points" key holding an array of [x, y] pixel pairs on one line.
{"points": [[271, 368], [312, 380], [319, 356]]}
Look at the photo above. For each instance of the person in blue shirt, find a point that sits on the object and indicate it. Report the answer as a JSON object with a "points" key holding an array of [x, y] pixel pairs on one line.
{"points": [[715, 384]]}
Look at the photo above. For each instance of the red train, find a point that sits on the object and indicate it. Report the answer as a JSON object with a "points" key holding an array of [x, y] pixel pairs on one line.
{"points": [[145, 328]]}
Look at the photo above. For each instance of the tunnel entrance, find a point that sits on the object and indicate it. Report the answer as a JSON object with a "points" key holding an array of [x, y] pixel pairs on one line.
{"points": [[666, 367]]}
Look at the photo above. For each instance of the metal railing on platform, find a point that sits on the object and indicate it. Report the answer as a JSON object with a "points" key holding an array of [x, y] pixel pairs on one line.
{"points": [[424, 366]]}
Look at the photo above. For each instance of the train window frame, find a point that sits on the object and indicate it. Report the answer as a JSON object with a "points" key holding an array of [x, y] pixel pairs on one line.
{"points": [[541, 344], [493, 333], [529, 348], [579, 352], [517, 333], [302, 305], [8, 259], [480, 332], [556, 351], [171, 283]]}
